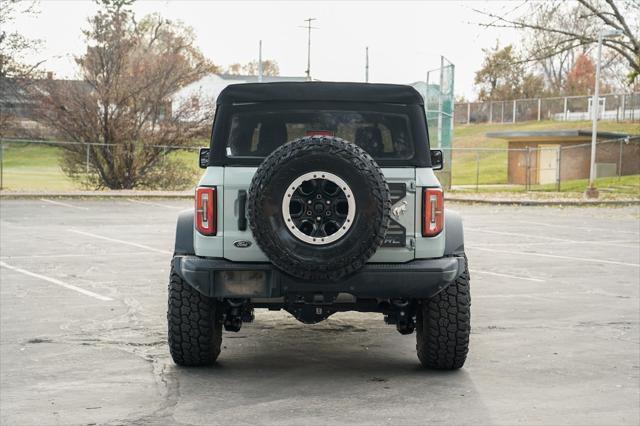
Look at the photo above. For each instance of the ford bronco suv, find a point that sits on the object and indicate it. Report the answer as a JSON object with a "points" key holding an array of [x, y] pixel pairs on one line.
{"points": [[319, 198]]}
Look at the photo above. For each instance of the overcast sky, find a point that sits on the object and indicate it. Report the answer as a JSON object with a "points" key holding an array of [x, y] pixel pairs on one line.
{"points": [[404, 38]]}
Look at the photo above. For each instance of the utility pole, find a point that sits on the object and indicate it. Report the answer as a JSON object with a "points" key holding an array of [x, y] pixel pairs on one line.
{"points": [[366, 66], [309, 28], [591, 191], [260, 62]]}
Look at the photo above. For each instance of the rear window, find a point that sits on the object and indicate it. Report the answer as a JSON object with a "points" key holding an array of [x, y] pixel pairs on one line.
{"points": [[385, 131]]}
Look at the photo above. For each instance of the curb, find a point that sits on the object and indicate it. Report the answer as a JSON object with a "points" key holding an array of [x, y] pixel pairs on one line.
{"points": [[97, 195], [181, 195], [515, 202]]}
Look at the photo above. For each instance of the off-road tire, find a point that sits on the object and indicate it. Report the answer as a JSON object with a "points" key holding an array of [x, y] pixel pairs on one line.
{"points": [[195, 330], [443, 325], [340, 258]]}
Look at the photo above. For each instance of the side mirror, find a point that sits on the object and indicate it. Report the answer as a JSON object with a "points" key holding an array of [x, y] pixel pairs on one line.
{"points": [[203, 158], [437, 160]]}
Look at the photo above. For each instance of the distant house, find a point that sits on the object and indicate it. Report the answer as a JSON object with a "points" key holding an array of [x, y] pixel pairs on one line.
{"points": [[545, 156], [19, 106], [210, 86]]}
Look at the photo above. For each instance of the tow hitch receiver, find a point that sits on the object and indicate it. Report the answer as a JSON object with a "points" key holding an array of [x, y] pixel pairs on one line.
{"points": [[235, 313], [403, 315]]}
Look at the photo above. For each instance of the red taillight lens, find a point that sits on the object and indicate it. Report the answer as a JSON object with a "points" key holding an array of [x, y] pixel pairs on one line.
{"points": [[432, 211], [206, 210]]}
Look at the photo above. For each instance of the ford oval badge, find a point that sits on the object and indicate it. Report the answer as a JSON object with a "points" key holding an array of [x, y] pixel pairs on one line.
{"points": [[242, 243]]}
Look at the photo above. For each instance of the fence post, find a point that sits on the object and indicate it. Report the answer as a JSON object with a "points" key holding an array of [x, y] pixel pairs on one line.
{"points": [[468, 112], [514, 112], [527, 179], [88, 158], [623, 108], [539, 107], [477, 169], [620, 162], [1, 164], [502, 113], [558, 170], [490, 112], [565, 108]]}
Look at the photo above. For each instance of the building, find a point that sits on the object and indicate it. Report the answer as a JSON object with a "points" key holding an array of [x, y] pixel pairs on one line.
{"points": [[545, 157], [210, 86], [20, 107]]}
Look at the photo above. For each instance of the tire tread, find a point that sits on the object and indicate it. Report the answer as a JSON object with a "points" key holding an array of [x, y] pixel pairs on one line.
{"points": [[444, 326]]}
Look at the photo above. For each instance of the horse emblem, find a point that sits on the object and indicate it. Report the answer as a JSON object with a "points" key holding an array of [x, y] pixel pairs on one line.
{"points": [[400, 209]]}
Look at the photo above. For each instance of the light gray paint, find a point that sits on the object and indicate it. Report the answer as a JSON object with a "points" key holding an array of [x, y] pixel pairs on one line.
{"points": [[230, 180]]}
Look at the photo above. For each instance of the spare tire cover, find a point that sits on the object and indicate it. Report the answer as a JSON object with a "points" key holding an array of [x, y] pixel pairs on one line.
{"points": [[319, 207]]}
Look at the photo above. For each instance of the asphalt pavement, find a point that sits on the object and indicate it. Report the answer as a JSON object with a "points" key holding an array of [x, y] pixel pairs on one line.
{"points": [[83, 286]]}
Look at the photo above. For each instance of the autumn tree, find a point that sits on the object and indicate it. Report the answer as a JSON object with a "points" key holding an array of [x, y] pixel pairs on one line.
{"points": [[121, 113], [16, 72], [581, 78], [556, 33], [14, 46], [269, 68], [503, 76]]}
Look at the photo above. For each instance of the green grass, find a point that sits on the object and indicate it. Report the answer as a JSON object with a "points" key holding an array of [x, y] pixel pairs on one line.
{"points": [[610, 188], [624, 185], [36, 167], [31, 167]]}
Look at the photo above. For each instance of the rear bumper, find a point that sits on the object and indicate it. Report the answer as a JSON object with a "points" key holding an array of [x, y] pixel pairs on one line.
{"points": [[417, 279]]}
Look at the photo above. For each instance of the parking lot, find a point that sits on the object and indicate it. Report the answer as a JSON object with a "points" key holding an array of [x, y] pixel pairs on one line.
{"points": [[555, 338]]}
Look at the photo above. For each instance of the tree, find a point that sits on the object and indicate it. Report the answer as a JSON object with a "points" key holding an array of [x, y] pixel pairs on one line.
{"points": [[581, 78], [234, 69], [121, 113], [13, 45], [532, 86], [269, 67], [16, 73], [551, 52], [555, 35], [503, 77]]}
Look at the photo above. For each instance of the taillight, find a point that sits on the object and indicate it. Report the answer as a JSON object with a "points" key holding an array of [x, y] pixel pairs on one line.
{"points": [[206, 210], [432, 211]]}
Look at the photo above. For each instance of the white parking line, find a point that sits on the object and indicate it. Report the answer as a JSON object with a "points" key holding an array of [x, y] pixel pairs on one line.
{"points": [[556, 256], [71, 255], [114, 240], [478, 271], [149, 203], [544, 237], [615, 243], [57, 282], [516, 234], [60, 203], [584, 228]]}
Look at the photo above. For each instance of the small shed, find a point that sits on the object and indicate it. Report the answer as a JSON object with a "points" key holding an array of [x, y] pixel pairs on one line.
{"points": [[541, 157]]}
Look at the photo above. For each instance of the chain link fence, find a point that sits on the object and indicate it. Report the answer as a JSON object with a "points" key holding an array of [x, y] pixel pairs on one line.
{"points": [[36, 165], [542, 167], [613, 107]]}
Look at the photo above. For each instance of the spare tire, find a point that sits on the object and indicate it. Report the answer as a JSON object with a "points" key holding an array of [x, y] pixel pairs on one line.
{"points": [[318, 207]]}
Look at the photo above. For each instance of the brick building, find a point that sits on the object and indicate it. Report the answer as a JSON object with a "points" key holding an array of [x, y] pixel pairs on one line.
{"points": [[543, 157]]}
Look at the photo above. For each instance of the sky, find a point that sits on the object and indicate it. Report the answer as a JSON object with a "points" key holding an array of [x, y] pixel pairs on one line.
{"points": [[405, 38]]}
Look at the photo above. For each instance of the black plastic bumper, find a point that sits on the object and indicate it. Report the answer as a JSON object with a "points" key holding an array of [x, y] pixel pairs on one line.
{"points": [[224, 279]]}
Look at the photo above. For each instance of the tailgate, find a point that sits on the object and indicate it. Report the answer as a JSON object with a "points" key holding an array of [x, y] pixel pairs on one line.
{"points": [[239, 244]]}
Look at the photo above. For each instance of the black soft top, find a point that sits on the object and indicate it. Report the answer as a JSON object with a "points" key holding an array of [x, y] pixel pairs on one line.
{"points": [[320, 91]]}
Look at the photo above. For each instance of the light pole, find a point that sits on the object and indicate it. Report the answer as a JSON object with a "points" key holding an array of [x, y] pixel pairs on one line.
{"points": [[366, 65], [260, 62], [309, 28], [592, 191]]}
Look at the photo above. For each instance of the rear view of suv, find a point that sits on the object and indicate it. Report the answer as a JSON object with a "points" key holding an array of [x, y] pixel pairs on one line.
{"points": [[319, 198]]}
